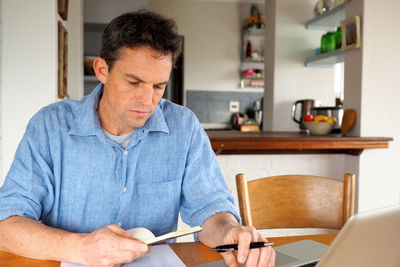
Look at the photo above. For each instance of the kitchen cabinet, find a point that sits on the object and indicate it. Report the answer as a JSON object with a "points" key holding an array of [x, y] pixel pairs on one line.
{"points": [[249, 79], [328, 21]]}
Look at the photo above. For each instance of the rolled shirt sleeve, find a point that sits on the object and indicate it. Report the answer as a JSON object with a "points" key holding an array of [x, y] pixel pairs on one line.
{"points": [[27, 190]]}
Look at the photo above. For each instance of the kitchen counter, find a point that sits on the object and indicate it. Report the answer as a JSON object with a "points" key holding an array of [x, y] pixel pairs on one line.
{"points": [[236, 142]]}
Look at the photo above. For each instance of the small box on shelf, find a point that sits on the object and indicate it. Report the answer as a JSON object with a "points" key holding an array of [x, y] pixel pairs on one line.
{"points": [[252, 82]]}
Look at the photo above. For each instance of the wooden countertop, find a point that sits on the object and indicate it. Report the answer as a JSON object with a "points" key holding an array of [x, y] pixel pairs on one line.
{"points": [[236, 142]]}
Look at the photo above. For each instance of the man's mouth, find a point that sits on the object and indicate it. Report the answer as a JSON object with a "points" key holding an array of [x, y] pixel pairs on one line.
{"points": [[140, 112]]}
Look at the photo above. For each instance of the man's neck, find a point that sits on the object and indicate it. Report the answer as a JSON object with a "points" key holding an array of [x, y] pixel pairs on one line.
{"points": [[109, 120]]}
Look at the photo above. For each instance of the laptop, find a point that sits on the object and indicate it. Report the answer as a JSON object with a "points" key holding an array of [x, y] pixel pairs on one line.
{"points": [[369, 238]]}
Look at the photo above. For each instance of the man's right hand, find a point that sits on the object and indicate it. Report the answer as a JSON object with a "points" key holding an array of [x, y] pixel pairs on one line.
{"points": [[110, 246]]}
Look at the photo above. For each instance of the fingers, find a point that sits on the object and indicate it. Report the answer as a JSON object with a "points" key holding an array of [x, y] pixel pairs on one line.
{"points": [[133, 244], [111, 253], [128, 242], [262, 257], [271, 252], [119, 231], [267, 255], [254, 254], [230, 259], [245, 237], [111, 245]]}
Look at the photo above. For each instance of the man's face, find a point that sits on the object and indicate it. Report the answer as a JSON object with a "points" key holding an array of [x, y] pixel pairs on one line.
{"points": [[133, 88]]}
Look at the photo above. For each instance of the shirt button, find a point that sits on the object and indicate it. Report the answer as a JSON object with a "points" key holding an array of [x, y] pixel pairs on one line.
{"points": [[119, 224], [126, 152], [124, 189]]}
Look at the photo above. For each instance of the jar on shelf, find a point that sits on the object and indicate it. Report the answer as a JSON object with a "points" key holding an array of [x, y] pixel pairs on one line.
{"points": [[331, 41], [248, 49], [338, 38], [323, 44]]}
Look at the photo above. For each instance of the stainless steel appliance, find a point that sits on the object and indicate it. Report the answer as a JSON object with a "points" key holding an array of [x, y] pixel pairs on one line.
{"points": [[336, 112], [305, 108]]}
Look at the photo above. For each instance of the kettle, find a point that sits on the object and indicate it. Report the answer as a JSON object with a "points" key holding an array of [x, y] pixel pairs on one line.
{"points": [[305, 108]]}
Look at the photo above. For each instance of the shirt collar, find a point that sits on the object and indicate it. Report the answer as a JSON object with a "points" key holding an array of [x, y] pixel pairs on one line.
{"points": [[157, 123], [87, 120]]}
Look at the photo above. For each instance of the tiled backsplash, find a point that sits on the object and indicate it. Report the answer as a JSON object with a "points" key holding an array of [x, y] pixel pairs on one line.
{"points": [[212, 107]]}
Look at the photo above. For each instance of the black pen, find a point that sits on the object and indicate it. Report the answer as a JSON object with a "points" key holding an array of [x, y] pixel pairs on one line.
{"points": [[231, 247]]}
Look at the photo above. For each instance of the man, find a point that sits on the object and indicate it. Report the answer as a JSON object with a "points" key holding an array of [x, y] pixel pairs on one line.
{"points": [[120, 158]]}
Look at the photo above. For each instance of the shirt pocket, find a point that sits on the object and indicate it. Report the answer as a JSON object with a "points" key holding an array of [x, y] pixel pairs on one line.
{"points": [[158, 205]]}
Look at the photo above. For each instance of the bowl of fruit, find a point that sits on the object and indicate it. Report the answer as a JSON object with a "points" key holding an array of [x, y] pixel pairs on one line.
{"points": [[319, 125]]}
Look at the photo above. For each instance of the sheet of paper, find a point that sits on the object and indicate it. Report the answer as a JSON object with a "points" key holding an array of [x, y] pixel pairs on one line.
{"points": [[146, 236], [220, 263], [161, 255]]}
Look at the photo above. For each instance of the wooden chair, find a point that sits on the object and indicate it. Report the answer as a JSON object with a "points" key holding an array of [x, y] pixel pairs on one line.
{"points": [[296, 201]]}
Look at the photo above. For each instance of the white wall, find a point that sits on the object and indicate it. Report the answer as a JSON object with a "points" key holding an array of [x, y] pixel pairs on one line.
{"points": [[29, 64], [1, 90], [74, 26], [212, 41], [372, 88], [291, 80], [29, 67], [103, 11]]}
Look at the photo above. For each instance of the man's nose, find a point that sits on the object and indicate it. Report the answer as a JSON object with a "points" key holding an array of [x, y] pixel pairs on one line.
{"points": [[146, 95]]}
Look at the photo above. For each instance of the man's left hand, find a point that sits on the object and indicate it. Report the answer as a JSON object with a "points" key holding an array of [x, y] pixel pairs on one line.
{"points": [[223, 228], [243, 235]]}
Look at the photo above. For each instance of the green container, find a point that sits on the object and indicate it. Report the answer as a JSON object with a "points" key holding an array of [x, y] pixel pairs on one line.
{"points": [[323, 43], [331, 41], [338, 37]]}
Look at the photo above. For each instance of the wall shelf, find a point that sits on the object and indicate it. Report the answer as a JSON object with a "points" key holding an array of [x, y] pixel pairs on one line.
{"points": [[252, 64], [256, 35], [325, 59], [329, 20], [253, 31]]}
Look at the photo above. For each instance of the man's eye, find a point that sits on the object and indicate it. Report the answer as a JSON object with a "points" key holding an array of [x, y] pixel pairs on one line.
{"points": [[134, 83], [158, 86]]}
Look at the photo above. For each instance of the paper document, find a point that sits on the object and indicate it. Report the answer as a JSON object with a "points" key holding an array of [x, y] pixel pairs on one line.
{"points": [[146, 236], [171, 235], [161, 255]]}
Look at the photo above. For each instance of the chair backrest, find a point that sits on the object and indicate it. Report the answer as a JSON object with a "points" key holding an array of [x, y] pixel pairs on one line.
{"points": [[296, 201]]}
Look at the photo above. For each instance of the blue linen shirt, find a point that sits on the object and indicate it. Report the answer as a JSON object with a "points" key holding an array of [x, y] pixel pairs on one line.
{"points": [[69, 175]]}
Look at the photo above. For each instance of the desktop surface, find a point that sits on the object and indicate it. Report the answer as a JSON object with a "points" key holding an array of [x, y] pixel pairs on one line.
{"points": [[191, 253]]}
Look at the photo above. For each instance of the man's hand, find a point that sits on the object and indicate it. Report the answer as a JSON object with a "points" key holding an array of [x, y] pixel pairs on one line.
{"points": [[111, 246], [222, 228], [243, 235]]}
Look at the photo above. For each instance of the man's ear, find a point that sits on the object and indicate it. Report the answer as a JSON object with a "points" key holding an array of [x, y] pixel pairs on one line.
{"points": [[101, 69]]}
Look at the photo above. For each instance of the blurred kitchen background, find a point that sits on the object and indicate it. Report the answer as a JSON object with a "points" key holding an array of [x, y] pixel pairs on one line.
{"points": [[214, 78]]}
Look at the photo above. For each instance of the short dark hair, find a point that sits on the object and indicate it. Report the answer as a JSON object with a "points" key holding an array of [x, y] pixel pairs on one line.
{"points": [[141, 28]]}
